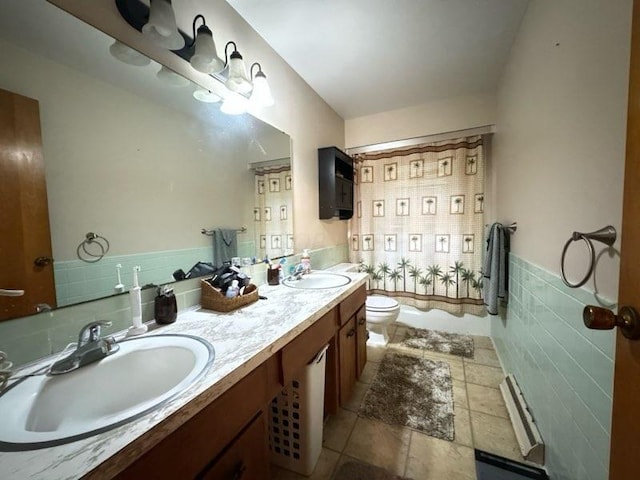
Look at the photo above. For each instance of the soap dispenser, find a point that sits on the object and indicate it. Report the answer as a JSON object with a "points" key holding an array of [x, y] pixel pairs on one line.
{"points": [[165, 307], [305, 260]]}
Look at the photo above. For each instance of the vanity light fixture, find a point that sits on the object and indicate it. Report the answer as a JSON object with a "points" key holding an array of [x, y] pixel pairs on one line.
{"points": [[161, 27], [234, 104], [261, 94], [128, 55], [237, 79], [206, 96], [205, 58], [169, 77]]}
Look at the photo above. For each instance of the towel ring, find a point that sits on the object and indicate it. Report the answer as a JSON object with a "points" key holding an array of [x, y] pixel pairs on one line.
{"points": [[606, 235], [89, 256]]}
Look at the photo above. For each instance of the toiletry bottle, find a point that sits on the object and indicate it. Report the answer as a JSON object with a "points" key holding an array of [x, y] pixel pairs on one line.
{"points": [[232, 291], [166, 307], [136, 306], [305, 260]]}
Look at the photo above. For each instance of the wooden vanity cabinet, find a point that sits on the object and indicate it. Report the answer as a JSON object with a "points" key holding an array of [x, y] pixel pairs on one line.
{"points": [[228, 438]]}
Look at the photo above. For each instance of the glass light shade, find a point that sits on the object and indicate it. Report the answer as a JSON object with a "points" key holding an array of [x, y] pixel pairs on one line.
{"points": [[169, 77], [234, 104], [237, 81], [206, 58], [207, 96], [261, 95], [162, 28], [128, 55]]}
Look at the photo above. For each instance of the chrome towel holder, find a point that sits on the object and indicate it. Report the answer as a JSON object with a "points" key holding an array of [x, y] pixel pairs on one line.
{"points": [[606, 235], [92, 256]]}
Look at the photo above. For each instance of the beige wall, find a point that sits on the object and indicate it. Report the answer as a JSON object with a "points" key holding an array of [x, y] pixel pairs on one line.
{"points": [[559, 148], [432, 118]]}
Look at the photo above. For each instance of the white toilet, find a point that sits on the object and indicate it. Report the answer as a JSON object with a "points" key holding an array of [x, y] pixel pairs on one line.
{"points": [[381, 312]]}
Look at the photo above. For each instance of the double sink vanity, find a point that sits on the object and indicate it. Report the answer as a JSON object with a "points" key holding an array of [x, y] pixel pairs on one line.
{"points": [[167, 405]]}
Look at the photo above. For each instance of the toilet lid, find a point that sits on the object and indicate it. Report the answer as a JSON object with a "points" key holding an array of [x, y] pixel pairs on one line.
{"points": [[381, 303]]}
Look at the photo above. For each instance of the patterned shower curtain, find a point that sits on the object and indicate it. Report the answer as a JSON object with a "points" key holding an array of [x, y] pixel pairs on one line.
{"points": [[418, 225], [272, 212]]}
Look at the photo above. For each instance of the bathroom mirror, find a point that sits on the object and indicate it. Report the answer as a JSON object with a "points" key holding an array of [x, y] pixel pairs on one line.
{"points": [[132, 159]]}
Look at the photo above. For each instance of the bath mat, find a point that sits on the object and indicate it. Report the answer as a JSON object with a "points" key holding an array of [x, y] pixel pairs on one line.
{"points": [[364, 471], [413, 392], [442, 342]]}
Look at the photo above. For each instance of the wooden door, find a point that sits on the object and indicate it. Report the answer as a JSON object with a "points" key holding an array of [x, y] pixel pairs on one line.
{"points": [[247, 458], [625, 428], [347, 349], [361, 338], [24, 214]]}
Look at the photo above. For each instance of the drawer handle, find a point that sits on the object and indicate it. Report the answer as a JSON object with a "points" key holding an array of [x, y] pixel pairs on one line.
{"points": [[361, 321], [351, 332], [239, 473]]}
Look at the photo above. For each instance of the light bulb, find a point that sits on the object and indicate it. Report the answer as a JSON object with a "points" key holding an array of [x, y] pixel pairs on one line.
{"points": [[234, 104]]}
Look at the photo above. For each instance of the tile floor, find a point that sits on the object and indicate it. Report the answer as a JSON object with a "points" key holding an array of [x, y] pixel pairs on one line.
{"points": [[481, 421]]}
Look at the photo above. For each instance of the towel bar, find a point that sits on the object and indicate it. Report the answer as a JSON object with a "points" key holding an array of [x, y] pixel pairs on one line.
{"points": [[204, 231]]}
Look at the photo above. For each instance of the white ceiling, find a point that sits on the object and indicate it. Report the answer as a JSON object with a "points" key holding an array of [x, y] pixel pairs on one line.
{"points": [[369, 56]]}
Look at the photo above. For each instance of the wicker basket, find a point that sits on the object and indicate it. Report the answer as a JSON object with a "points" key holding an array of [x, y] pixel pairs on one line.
{"points": [[212, 299]]}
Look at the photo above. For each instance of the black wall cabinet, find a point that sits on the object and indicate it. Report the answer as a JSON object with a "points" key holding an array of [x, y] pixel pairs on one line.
{"points": [[335, 177]]}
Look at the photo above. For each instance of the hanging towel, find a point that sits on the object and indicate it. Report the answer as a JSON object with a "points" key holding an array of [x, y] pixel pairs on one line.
{"points": [[225, 246], [495, 269]]}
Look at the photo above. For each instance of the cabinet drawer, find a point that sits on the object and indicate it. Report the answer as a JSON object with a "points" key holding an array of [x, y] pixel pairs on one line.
{"points": [[191, 447], [350, 305], [247, 458], [297, 353]]}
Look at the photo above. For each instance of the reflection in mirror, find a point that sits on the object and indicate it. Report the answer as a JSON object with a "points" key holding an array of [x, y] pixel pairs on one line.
{"points": [[272, 212], [127, 158]]}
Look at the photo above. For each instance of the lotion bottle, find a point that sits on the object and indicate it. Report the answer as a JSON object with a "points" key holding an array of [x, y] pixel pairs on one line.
{"points": [[233, 290], [135, 298]]}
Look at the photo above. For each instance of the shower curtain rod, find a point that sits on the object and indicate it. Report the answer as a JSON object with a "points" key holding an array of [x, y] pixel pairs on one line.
{"points": [[409, 142]]}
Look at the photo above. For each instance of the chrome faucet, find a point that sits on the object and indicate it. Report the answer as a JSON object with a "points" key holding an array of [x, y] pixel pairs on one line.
{"points": [[297, 272], [91, 348]]}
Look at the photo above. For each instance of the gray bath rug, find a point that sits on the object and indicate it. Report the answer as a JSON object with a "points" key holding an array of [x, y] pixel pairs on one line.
{"points": [[363, 471], [414, 392], [442, 342]]}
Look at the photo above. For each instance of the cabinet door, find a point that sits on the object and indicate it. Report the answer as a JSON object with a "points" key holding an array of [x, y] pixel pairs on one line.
{"points": [[347, 347], [361, 340], [344, 194], [247, 458]]}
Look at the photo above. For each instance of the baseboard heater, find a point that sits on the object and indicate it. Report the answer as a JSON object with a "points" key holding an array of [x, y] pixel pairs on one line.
{"points": [[524, 426]]}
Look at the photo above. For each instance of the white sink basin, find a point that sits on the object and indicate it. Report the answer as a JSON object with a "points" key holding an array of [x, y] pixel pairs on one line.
{"points": [[316, 280], [145, 372]]}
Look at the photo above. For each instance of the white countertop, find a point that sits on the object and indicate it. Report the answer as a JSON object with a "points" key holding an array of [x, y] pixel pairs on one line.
{"points": [[242, 340]]}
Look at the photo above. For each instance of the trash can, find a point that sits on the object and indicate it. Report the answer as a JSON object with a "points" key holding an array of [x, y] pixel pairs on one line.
{"points": [[296, 419]]}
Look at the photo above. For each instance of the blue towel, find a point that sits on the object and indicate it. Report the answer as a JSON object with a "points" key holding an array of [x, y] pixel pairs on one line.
{"points": [[495, 268], [225, 246]]}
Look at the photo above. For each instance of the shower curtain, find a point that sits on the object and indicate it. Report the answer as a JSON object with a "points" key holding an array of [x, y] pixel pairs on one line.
{"points": [[417, 228], [272, 212]]}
